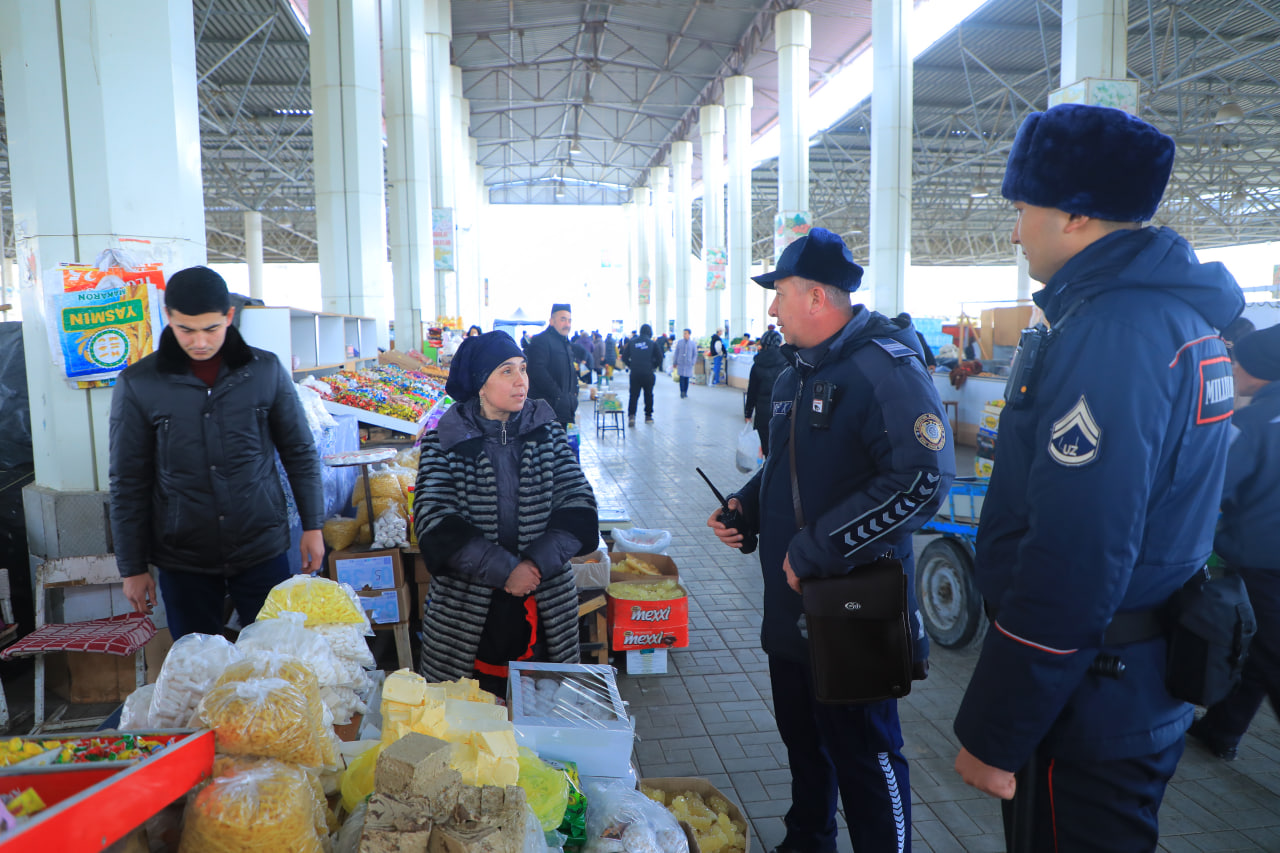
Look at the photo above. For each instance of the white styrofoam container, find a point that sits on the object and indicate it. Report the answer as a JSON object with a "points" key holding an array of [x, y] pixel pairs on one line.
{"points": [[598, 747]]}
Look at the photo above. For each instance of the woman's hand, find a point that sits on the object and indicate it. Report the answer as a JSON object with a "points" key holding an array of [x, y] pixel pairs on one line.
{"points": [[524, 579]]}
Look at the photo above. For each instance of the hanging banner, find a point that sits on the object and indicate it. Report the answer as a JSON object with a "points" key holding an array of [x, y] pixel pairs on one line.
{"points": [[645, 286], [789, 227], [107, 320], [717, 267], [442, 236]]}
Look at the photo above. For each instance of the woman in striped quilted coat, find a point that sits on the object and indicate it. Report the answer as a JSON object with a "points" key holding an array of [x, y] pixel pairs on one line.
{"points": [[500, 506]]}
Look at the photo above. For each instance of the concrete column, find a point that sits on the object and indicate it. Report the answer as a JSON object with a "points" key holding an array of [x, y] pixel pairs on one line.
{"points": [[476, 196], [8, 293], [439, 81], [253, 251], [711, 124], [663, 262], [346, 94], [1094, 39], [644, 266], [1024, 275], [404, 63], [682, 218], [792, 39], [104, 142], [463, 276], [890, 155], [629, 221], [737, 102]]}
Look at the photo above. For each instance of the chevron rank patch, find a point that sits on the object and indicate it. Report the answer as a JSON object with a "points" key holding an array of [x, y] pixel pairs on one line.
{"points": [[930, 432], [1075, 437]]}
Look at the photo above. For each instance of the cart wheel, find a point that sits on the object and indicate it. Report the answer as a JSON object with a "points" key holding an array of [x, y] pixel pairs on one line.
{"points": [[950, 605]]}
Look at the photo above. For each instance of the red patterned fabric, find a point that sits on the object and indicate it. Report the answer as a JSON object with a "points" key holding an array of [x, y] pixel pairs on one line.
{"points": [[114, 635]]}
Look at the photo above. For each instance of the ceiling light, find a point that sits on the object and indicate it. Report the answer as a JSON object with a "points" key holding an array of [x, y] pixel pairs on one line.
{"points": [[285, 222], [302, 112], [1229, 113], [559, 190], [574, 146], [979, 191]]}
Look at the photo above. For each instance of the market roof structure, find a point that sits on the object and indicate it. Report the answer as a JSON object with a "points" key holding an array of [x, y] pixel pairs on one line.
{"points": [[572, 101]]}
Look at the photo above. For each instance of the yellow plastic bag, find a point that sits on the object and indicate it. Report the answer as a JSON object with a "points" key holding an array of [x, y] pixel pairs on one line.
{"points": [[546, 789], [357, 780]]}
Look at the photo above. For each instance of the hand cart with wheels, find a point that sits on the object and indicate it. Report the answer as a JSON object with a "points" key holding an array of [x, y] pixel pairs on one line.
{"points": [[946, 589]]}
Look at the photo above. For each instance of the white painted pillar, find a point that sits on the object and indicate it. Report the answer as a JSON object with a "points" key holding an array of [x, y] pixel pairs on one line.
{"points": [[659, 184], [8, 293], [439, 82], [404, 62], [463, 276], [629, 219], [1094, 39], [711, 125], [104, 142], [682, 218], [475, 184], [792, 39], [346, 94], [253, 251], [644, 267], [891, 116], [1024, 275], [737, 102]]}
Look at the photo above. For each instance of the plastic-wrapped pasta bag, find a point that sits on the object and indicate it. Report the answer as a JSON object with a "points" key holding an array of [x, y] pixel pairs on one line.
{"points": [[620, 819], [320, 600], [269, 718], [286, 634], [264, 664], [192, 665], [382, 484], [254, 806], [135, 715]]}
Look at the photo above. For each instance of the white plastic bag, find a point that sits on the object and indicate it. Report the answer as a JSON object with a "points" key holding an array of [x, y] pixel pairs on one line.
{"points": [[620, 819], [749, 456], [135, 716], [638, 540]]}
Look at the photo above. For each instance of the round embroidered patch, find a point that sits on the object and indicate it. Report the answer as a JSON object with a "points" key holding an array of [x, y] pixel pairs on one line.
{"points": [[930, 432]]}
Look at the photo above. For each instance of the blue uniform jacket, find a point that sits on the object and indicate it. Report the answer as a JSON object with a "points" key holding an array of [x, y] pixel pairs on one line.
{"points": [[1103, 499], [867, 481], [1248, 536]]}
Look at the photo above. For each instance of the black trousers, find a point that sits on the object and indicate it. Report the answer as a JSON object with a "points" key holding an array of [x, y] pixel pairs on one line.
{"points": [[638, 383], [1230, 718]]}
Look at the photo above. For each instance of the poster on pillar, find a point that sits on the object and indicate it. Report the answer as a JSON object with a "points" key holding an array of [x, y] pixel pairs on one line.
{"points": [[107, 319], [645, 291], [717, 267], [788, 227], [442, 236]]}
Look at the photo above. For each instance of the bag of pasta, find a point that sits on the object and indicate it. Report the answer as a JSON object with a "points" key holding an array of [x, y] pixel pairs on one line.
{"points": [[271, 664], [382, 484], [340, 532], [263, 805], [320, 600], [269, 718]]}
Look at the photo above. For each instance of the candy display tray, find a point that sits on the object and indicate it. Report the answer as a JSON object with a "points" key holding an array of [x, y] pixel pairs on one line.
{"points": [[43, 763]]}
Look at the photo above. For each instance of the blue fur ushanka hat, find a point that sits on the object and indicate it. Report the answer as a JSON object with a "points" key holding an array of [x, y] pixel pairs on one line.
{"points": [[819, 256], [1094, 161]]}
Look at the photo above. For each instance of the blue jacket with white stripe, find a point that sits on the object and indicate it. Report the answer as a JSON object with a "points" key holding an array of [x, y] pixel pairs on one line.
{"points": [[1248, 536], [872, 468], [1102, 500]]}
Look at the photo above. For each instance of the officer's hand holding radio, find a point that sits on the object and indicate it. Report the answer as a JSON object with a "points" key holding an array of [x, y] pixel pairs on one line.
{"points": [[730, 536]]}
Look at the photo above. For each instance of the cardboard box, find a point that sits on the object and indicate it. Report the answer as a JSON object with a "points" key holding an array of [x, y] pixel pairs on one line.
{"points": [[600, 747], [982, 467], [989, 418], [385, 607], [665, 565], [648, 624], [1003, 327], [374, 570], [85, 678], [647, 662], [591, 571], [704, 789]]}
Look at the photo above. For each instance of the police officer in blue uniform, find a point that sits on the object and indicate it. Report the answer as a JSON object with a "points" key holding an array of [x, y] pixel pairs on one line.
{"points": [[873, 460], [1105, 489], [1248, 539]]}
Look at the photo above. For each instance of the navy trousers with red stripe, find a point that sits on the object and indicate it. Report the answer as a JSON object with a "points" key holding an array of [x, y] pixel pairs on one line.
{"points": [[1096, 806], [854, 751]]}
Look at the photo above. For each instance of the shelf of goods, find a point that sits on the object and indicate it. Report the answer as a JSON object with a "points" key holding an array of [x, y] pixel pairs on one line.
{"points": [[385, 396], [311, 341], [90, 806]]}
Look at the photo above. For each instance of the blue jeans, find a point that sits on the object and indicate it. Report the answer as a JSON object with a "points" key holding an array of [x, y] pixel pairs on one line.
{"points": [[716, 364], [684, 385], [194, 602]]}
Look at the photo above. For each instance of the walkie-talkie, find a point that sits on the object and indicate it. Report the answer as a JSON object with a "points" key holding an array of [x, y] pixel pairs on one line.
{"points": [[731, 518]]}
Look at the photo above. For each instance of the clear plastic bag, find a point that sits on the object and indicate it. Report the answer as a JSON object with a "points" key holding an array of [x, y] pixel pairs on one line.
{"points": [[320, 600], [391, 528], [340, 532], [638, 540], [748, 456], [620, 819], [192, 665], [348, 643], [382, 484], [135, 714], [269, 718], [263, 805], [286, 634]]}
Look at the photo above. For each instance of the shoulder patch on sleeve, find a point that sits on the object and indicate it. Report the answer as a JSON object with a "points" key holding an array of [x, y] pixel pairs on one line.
{"points": [[1215, 399], [895, 349], [930, 432], [1075, 437]]}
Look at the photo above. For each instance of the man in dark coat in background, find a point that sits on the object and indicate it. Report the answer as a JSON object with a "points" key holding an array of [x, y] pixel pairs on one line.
{"points": [[550, 363]]}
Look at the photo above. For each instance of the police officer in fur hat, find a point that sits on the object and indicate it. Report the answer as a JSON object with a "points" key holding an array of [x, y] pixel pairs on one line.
{"points": [[1248, 540], [1106, 485]]}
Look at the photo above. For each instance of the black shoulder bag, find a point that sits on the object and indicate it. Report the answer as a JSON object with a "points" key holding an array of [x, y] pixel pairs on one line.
{"points": [[858, 628]]}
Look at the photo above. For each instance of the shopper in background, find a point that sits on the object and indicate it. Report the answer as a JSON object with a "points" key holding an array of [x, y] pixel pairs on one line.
{"points": [[195, 428], [1248, 540], [765, 370], [597, 343], [872, 462], [685, 358], [552, 376], [716, 350], [929, 360], [642, 356], [500, 507], [1107, 480], [610, 358], [1233, 332], [473, 331]]}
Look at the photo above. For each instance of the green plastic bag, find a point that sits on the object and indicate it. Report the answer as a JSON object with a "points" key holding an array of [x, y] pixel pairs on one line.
{"points": [[546, 789]]}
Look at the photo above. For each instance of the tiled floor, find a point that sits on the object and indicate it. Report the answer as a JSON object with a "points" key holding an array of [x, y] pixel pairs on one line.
{"points": [[711, 715]]}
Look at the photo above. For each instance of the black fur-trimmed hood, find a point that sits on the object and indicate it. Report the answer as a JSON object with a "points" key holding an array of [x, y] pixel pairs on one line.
{"points": [[170, 357]]}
